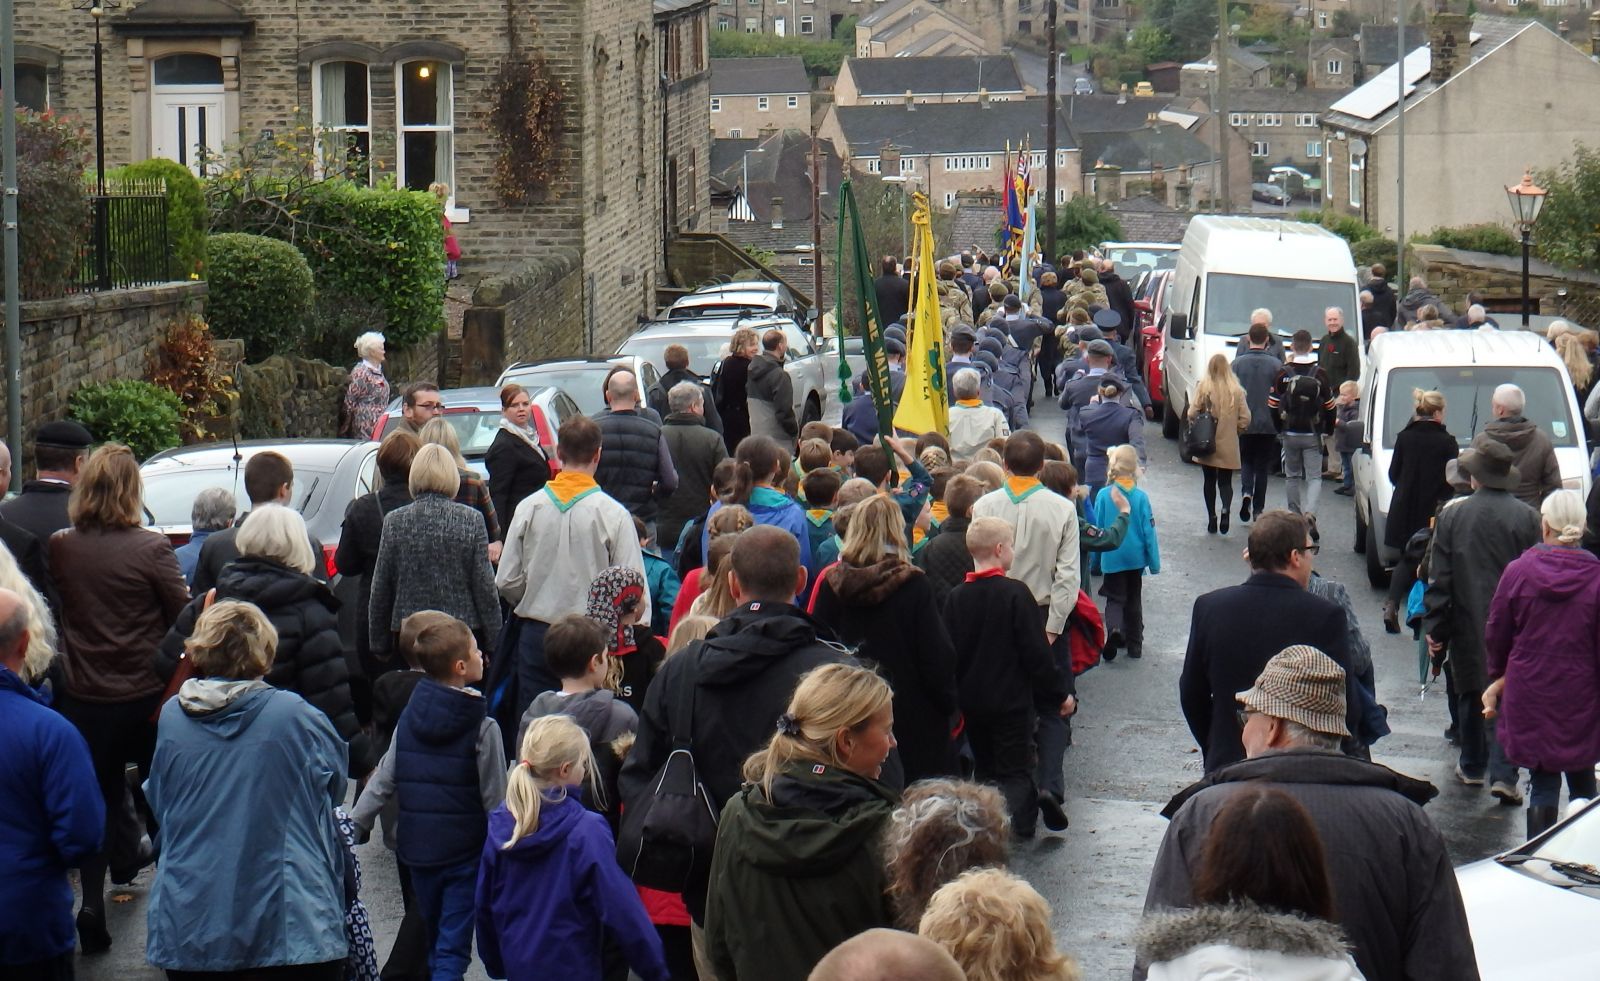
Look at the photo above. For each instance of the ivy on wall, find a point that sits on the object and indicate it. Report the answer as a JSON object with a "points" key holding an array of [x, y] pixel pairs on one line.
{"points": [[525, 119]]}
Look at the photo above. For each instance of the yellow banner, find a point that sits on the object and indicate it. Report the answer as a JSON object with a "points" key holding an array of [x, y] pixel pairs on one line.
{"points": [[924, 406]]}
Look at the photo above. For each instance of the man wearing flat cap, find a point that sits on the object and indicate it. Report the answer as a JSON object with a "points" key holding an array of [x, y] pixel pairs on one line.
{"points": [[1395, 893], [1474, 539], [59, 451]]}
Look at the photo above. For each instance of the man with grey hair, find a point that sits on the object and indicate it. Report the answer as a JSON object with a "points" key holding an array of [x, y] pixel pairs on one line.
{"points": [[1339, 355], [1263, 316], [1533, 454], [214, 509], [1418, 295], [1399, 904], [635, 464], [55, 813], [696, 449], [972, 423]]}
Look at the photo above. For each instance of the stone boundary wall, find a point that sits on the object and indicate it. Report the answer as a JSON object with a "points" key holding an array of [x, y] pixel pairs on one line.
{"points": [[537, 311], [1453, 273]]}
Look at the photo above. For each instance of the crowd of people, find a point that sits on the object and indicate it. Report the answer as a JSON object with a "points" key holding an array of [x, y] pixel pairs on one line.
{"points": [[773, 701]]}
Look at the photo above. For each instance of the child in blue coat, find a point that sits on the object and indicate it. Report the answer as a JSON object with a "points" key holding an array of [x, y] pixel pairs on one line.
{"points": [[1124, 566], [550, 891]]}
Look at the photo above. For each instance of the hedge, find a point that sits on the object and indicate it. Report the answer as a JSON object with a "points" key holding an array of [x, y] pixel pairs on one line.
{"points": [[52, 202], [260, 291], [186, 212]]}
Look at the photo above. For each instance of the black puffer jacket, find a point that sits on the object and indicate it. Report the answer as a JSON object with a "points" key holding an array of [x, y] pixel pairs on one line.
{"points": [[310, 661], [945, 558], [357, 555]]}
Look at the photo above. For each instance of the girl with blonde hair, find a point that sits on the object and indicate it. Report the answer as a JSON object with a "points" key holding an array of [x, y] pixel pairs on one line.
{"points": [[1220, 394], [725, 522], [1576, 357], [1124, 566], [41, 625], [550, 890], [997, 927], [796, 869], [1416, 470]]}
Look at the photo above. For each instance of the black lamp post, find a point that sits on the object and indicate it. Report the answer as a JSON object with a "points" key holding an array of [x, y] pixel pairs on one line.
{"points": [[1526, 199], [102, 232]]}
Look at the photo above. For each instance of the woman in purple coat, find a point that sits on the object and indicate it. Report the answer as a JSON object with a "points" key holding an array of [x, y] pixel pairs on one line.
{"points": [[1542, 643]]}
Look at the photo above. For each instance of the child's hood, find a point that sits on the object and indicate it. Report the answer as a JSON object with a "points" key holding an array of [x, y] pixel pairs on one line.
{"points": [[440, 714], [557, 821]]}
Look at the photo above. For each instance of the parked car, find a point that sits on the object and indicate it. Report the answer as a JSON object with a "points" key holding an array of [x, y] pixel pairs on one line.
{"points": [[1270, 193], [1083, 85], [1143, 90], [1533, 909], [474, 413], [582, 379], [707, 342], [748, 298]]}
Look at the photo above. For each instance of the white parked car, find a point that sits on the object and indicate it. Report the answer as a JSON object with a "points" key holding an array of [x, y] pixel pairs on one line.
{"points": [[730, 299]]}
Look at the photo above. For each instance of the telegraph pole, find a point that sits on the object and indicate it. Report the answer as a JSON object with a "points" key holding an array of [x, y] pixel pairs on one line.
{"points": [[1049, 246], [8, 187], [1222, 101]]}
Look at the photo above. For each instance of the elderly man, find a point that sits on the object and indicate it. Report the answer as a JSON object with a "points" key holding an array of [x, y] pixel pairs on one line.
{"points": [[213, 510], [1263, 317], [635, 462], [55, 815], [696, 450], [1393, 888], [1339, 354], [972, 424], [1532, 451], [678, 371], [887, 955]]}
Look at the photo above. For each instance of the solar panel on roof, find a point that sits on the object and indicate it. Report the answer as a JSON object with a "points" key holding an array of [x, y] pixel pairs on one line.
{"points": [[1379, 96]]}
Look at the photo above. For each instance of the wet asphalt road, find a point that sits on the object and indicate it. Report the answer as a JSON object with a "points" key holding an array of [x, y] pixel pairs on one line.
{"points": [[1131, 749]]}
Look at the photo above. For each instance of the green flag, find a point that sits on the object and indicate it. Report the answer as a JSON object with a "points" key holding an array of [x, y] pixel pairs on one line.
{"points": [[871, 324]]}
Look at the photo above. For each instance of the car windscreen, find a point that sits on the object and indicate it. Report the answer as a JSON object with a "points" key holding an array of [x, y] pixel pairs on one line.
{"points": [[704, 351], [1468, 391], [583, 382], [1577, 843], [169, 495], [719, 308], [1296, 304], [1131, 263], [474, 430]]}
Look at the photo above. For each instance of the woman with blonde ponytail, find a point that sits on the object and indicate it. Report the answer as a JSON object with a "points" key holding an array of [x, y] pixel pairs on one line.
{"points": [[1542, 648], [549, 888], [797, 868]]}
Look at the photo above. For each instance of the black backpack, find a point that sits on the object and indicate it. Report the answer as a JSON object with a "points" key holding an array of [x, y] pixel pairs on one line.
{"points": [[668, 831], [1302, 400]]}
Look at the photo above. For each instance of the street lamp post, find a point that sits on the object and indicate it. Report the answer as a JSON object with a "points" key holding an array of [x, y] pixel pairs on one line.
{"points": [[102, 233], [1526, 199], [744, 181]]}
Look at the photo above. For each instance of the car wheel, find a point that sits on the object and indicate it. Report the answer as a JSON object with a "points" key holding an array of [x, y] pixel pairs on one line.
{"points": [[1169, 419], [813, 409], [1376, 574], [1360, 545]]}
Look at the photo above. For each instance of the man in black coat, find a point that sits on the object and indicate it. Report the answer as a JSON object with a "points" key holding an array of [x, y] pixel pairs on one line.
{"points": [[676, 357], [1234, 631], [268, 479], [23, 546], [1119, 297], [59, 451], [894, 293], [1384, 302], [696, 450], [736, 682]]}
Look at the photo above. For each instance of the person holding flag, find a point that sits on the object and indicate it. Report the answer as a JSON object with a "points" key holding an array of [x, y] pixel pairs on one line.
{"points": [[924, 406]]}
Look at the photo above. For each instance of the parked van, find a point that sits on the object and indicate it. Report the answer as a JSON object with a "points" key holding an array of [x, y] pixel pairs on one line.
{"points": [[1466, 366], [1228, 267]]}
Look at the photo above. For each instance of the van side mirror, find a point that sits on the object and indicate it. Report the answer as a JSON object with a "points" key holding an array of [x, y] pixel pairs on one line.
{"points": [[1178, 325]]}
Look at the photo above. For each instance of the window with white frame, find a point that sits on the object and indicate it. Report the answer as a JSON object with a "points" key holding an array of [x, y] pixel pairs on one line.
{"points": [[1335, 66], [734, 134], [752, 25], [949, 196], [1259, 148], [952, 164], [908, 165], [1305, 120], [779, 26], [1358, 168], [1238, 119], [805, 260], [1061, 158], [341, 114], [1036, 158], [1061, 195], [427, 127], [874, 166], [1270, 119], [716, 104], [761, 103], [1322, 20], [723, 23], [1314, 149], [794, 102], [807, 26]]}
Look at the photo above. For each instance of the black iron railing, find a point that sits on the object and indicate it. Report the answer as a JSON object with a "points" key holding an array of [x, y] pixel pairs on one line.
{"points": [[128, 238]]}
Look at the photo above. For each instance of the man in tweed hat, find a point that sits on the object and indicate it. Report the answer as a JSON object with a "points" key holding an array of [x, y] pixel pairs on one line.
{"points": [[1394, 890]]}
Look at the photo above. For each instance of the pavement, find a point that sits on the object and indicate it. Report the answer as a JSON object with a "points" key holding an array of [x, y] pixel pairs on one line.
{"points": [[1131, 749]]}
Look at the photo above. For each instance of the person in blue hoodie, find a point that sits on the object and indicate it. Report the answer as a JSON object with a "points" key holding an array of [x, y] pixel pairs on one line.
{"points": [[243, 784], [54, 813], [447, 769], [762, 466], [549, 889], [1124, 567]]}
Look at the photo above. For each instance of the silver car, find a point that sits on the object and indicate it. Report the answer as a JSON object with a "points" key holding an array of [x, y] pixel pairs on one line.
{"points": [[731, 299]]}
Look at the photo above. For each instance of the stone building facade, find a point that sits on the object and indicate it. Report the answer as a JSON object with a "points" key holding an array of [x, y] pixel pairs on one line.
{"points": [[412, 89], [752, 95]]}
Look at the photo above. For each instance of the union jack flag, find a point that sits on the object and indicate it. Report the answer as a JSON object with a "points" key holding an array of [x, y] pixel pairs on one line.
{"points": [[1016, 199]]}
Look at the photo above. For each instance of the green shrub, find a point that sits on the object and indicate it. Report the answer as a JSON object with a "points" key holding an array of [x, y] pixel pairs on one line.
{"points": [[52, 202], [142, 415], [1475, 238], [1374, 250], [260, 292], [379, 245], [186, 212], [1347, 227]]}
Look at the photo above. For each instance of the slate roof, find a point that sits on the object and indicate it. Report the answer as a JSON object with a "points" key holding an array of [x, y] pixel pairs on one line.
{"points": [[951, 127], [1102, 113], [1144, 219], [1138, 151], [1494, 32], [884, 12], [1302, 99], [759, 76], [895, 76], [1247, 60], [782, 169]]}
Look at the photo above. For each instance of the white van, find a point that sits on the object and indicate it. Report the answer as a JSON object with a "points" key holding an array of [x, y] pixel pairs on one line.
{"points": [[1229, 266], [1466, 366]]}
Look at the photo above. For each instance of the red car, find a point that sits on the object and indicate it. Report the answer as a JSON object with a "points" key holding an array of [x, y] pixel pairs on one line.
{"points": [[1148, 308]]}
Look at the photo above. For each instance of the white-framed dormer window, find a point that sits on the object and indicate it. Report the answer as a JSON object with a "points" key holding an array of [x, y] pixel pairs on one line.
{"points": [[874, 166], [1305, 120], [1061, 158], [716, 104], [1259, 148], [427, 125], [762, 103], [1358, 166], [807, 23], [908, 165], [1336, 67], [794, 102], [1238, 119], [341, 113], [1270, 119], [1314, 149], [734, 134]]}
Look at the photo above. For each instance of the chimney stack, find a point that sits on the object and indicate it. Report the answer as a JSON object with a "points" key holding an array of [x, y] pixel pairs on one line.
{"points": [[1449, 44], [983, 98], [911, 101], [1182, 189], [888, 162], [777, 212], [1594, 34], [1158, 182], [1107, 183], [1122, 95]]}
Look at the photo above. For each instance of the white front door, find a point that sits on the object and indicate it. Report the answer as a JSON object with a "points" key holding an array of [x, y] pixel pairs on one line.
{"points": [[187, 123]]}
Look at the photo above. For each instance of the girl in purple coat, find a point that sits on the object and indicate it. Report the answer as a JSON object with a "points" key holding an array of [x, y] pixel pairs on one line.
{"points": [[1542, 644], [550, 891]]}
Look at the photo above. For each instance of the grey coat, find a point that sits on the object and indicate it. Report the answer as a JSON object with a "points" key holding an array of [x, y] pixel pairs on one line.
{"points": [[1393, 887], [1257, 371], [433, 556], [770, 391], [1474, 540]]}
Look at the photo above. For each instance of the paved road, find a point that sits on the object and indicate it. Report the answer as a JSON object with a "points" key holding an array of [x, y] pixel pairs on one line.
{"points": [[1132, 749]]}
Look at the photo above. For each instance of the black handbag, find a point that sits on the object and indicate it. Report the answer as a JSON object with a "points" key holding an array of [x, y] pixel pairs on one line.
{"points": [[1201, 439], [668, 831]]}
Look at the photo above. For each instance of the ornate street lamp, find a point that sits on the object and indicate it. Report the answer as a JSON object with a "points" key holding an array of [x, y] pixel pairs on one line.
{"points": [[1526, 199]]}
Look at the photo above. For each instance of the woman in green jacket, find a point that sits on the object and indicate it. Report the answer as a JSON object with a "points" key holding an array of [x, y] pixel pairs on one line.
{"points": [[797, 868]]}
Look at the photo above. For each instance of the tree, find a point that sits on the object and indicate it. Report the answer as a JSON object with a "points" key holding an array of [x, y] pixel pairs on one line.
{"points": [[1568, 232], [1190, 24], [1082, 223], [820, 57], [1346, 24]]}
